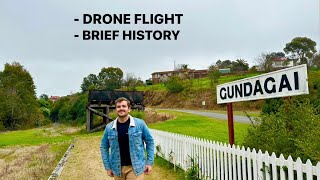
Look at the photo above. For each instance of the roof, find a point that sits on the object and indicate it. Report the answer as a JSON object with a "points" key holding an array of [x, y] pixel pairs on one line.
{"points": [[279, 59]]}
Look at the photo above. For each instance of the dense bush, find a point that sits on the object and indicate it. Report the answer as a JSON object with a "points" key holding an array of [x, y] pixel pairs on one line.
{"points": [[174, 84], [272, 105], [292, 130], [70, 109]]}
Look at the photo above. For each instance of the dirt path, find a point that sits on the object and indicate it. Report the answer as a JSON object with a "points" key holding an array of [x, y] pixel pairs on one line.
{"points": [[85, 163]]}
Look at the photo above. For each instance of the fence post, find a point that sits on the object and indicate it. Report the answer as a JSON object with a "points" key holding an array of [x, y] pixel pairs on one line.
{"points": [[290, 168]]}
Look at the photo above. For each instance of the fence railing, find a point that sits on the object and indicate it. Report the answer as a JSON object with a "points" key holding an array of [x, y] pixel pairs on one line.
{"points": [[220, 161]]}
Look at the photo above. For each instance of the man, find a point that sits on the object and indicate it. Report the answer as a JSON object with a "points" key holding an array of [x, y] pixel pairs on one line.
{"points": [[125, 138]]}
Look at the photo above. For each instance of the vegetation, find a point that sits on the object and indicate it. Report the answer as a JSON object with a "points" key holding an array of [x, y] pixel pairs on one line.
{"points": [[213, 74], [297, 135], [109, 78], [167, 168], [201, 83], [174, 84], [19, 108], [37, 136], [33, 153], [70, 109], [131, 82], [301, 50], [202, 127], [265, 60]]}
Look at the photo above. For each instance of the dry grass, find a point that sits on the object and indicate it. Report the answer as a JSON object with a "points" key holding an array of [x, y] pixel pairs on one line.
{"points": [[152, 116], [31, 162]]}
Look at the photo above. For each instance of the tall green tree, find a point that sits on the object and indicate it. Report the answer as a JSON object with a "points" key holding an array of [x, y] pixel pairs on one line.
{"points": [[90, 82], [223, 64], [301, 50], [110, 78], [18, 104], [239, 65]]}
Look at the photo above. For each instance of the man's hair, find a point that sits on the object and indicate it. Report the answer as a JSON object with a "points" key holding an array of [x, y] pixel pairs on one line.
{"points": [[122, 99]]}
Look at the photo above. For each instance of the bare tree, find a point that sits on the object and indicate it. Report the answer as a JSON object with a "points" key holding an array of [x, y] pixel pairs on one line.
{"points": [[264, 61], [131, 81]]}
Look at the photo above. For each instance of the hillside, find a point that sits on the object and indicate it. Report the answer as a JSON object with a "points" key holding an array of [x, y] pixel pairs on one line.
{"points": [[200, 90], [193, 100]]}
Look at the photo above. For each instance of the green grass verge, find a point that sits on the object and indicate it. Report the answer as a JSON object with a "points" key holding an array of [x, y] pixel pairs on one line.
{"points": [[202, 127], [30, 137], [201, 82], [240, 113]]}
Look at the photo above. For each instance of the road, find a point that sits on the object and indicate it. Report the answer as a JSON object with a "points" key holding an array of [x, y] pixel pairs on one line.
{"points": [[237, 118]]}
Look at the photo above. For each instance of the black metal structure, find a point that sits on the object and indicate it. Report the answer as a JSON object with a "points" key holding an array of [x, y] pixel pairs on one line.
{"points": [[105, 100]]}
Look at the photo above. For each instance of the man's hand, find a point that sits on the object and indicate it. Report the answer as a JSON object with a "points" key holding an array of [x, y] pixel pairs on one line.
{"points": [[110, 173], [148, 169]]}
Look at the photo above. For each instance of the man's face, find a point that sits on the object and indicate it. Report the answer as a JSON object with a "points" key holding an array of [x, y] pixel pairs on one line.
{"points": [[122, 109]]}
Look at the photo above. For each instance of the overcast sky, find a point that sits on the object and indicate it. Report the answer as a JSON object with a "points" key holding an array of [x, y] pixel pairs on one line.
{"points": [[40, 35]]}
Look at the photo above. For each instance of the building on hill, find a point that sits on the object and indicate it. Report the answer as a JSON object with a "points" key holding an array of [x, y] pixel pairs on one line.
{"points": [[54, 98], [192, 73], [276, 64], [281, 62]]}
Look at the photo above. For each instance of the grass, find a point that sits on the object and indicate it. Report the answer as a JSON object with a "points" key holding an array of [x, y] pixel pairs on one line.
{"points": [[165, 169], [240, 113], [34, 153], [33, 137], [202, 127], [201, 83]]}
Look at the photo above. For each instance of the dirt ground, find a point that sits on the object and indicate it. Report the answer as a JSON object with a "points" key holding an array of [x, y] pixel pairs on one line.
{"points": [[85, 163]]}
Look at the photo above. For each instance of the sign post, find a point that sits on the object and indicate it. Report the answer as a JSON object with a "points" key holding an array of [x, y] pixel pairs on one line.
{"points": [[230, 123], [282, 83]]}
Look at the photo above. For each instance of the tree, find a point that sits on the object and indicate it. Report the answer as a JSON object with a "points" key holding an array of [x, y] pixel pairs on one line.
{"points": [[301, 49], [214, 74], [18, 104], [89, 82], [264, 60], [239, 65], [110, 78], [223, 64], [316, 61], [131, 82], [44, 97]]}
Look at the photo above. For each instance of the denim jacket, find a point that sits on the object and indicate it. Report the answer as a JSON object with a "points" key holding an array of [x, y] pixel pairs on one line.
{"points": [[138, 135]]}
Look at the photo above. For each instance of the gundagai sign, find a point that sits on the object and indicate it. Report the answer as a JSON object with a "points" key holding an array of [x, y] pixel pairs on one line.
{"points": [[286, 82]]}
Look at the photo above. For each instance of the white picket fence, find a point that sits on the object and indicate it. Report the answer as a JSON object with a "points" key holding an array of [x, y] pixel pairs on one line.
{"points": [[221, 161]]}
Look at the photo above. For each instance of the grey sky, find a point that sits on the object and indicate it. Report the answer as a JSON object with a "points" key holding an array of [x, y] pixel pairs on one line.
{"points": [[39, 35]]}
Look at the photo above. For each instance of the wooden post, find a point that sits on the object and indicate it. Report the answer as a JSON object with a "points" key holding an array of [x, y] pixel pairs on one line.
{"points": [[88, 120], [91, 121], [230, 123], [104, 118]]}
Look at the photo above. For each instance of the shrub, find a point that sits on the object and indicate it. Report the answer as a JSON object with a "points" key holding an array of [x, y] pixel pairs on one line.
{"points": [[174, 84], [292, 130]]}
